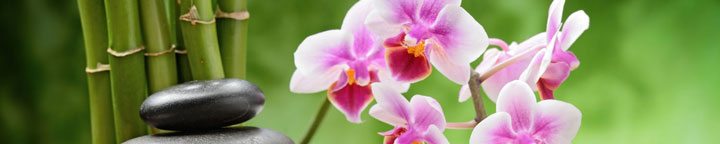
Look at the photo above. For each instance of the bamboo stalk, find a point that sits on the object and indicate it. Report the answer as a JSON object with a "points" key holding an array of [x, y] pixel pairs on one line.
{"points": [[200, 35], [161, 65], [184, 72], [232, 33], [92, 17], [128, 79]]}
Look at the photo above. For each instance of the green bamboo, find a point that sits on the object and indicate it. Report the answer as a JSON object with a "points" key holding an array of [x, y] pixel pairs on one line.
{"points": [[161, 66], [184, 72], [128, 79], [200, 35], [92, 17], [232, 34]]}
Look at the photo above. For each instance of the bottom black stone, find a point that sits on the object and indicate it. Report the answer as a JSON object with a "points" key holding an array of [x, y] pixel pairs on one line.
{"points": [[243, 135]]}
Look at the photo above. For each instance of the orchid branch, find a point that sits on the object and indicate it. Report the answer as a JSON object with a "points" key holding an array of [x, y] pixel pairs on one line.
{"points": [[476, 79], [316, 122]]}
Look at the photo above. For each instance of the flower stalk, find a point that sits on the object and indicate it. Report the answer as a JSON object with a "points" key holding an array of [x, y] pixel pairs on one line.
{"points": [[200, 38], [128, 79], [232, 18], [92, 17], [316, 122]]}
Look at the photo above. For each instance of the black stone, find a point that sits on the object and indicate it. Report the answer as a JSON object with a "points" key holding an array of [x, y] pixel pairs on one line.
{"points": [[203, 105], [244, 135]]}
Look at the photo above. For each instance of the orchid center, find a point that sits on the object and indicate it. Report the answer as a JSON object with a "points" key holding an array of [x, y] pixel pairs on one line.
{"points": [[417, 49], [350, 73]]}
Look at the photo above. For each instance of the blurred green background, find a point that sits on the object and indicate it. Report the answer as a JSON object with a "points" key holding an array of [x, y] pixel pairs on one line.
{"points": [[649, 71]]}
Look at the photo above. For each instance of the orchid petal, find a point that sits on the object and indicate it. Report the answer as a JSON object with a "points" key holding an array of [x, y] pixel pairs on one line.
{"points": [[490, 59], [558, 122], [301, 83], [355, 17], [391, 107], [518, 100], [351, 100], [532, 42], [406, 67], [575, 25], [362, 73], [431, 8], [494, 129], [397, 11], [322, 52], [458, 73], [497, 81], [458, 35], [378, 26], [386, 78], [539, 64], [464, 93], [555, 75], [434, 135], [411, 136], [554, 17], [426, 112]]}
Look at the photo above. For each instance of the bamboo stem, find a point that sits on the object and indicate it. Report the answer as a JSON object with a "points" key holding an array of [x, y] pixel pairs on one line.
{"points": [[92, 17], [128, 79], [200, 35], [232, 34], [184, 73]]}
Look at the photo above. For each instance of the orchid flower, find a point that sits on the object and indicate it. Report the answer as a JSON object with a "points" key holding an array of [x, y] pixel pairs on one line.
{"points": [[521, 120], [344, 62], [418, 33], [550, 69], [494, 57], [421, 120]]}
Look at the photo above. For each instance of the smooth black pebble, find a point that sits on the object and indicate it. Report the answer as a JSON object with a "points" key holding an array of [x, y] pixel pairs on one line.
{"points": [[203, 105], [244, 135]]}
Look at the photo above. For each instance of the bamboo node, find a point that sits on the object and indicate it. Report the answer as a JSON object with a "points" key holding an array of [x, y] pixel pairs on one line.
{"points": [[125, 53], [177, 51], [98, 68], [172, 49], [193, 17], [240, 15]]}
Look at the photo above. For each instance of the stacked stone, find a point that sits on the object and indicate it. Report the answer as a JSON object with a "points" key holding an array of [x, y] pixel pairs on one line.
{"points": [[200, 111]]}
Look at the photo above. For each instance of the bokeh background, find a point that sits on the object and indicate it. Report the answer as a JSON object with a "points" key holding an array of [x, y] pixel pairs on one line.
{"points": [[648, 74]]}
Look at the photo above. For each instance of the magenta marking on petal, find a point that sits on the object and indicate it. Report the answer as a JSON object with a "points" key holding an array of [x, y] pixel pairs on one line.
{"points": [[545, 92], [431, 8], [351, 100], [406, 67]]}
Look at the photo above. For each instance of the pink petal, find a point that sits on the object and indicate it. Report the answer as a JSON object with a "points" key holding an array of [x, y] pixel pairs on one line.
{"points": [[460, 37], [434, 135], [426, 112], [539, 64], [351, 100], [380, 27], [406, 67], [490, 59], [430, 8], [494, 129], [411, 136], [556, 121], [556, 74], [322, 52], [385, 77], [518, 100], [575, 25], [392, 135], [362, 73], [554, 17], [397, 11], [301, 83], [391, 107], [355, 17], [544, 91], [464, 93], [495, 83], [539, 39], [456, 72]]}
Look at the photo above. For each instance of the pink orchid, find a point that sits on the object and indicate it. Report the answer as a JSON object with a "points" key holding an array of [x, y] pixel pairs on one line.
{"points": [[550, 69], [344, 62], [418, 33], [521, 120], [421, 120], [494, 57]]}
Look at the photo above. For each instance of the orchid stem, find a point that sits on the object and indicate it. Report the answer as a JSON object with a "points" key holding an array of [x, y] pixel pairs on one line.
{"points": [[316, 123], [475, 88], [500, 43]]}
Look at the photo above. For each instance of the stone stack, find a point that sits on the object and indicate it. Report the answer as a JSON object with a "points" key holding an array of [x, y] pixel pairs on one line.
{"points": [[200, 111]]}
